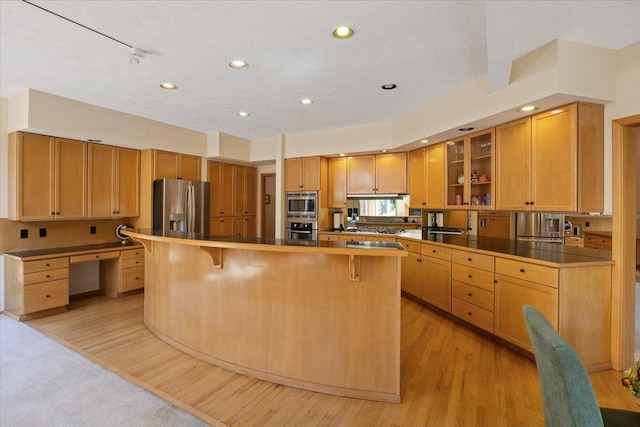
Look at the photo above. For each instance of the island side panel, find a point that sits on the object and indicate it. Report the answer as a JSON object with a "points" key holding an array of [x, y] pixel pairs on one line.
{"points": [[293, 318]]}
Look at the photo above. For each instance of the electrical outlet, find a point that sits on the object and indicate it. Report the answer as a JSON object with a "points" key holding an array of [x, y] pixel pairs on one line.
{"points": [[24, 234], [43, 232], [92, 230], [586, 224]]}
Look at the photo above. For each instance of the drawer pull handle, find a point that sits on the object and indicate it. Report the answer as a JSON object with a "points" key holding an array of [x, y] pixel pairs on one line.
{"points": [[48, 296], [97, 256], [469, 259], [470, 314], [136, 262], [470, 294], [137, 278], [46, 265], [522, 270], [469, 276], [434, 251], [47, 276]]}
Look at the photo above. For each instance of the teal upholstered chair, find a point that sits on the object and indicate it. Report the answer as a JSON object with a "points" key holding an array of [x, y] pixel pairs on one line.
{"points": [[567, 395]]}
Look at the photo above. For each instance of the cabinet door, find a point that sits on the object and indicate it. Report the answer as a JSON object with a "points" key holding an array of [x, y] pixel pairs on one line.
{"points": [[436, 282], [165, 165], [250, 194], [391, 173], [511, 295], [238, 190], [435, 176], [512, 180], [293, 174], [411, 274], [337, 182], [127, 182], [361, 172], [220, 177], [481, 168], [501, 227], [102, 167], [221, 226], [34, 192], [190, 168], [418, 178], [311, 174], [456, 174], [554, 159], [71, 179], [249, 226]]}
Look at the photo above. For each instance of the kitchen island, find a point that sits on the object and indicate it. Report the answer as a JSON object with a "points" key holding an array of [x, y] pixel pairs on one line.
{"points": [[321, 316]]}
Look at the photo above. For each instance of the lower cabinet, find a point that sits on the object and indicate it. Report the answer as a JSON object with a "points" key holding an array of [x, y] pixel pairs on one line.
{"points": [[123, 274], [436, 276], [221, 226], [411, 273], [244, 226]]}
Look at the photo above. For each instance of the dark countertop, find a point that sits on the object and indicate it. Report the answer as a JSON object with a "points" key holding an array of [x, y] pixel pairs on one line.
{"points": [[546, 253], [100, 247]]}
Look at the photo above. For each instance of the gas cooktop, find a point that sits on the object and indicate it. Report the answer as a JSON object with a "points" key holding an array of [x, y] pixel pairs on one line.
{"points": [[381, 230], [442, 230]]}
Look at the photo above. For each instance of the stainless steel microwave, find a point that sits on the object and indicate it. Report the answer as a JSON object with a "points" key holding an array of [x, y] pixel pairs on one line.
{"points": [[302, 205]]}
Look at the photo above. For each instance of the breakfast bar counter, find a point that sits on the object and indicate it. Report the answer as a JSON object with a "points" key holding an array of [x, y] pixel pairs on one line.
{"points": [[321, 316]]}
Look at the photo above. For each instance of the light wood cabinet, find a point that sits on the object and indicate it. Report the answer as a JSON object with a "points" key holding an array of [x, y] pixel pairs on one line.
{"points": [[114, 182], [303, 173], [221, 226], [473, 288], [244, 187], [377, 174], [337, 180], [494, 224], [47, 178], [436, 276], [244, 226], [122, 274], [220, 176], [552, 161], [470, 170], [597, 241], [411, 272], [426, 177], [171, 165]]}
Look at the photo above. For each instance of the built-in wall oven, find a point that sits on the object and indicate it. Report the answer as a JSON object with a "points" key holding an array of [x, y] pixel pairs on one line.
{"points": [[302, 230], [302, 205]]}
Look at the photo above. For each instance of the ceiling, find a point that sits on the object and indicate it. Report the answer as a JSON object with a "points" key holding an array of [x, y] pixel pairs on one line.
{"points": [[426, 48]]}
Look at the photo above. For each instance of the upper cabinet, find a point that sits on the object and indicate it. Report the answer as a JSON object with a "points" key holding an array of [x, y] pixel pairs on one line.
{"points": [[377, 174], [176, 166], [303, 173], [469, 171], [220, 177], [552, 161], [47, 178], [244, 187], [114, 182], [337, 182], [426, 177]]}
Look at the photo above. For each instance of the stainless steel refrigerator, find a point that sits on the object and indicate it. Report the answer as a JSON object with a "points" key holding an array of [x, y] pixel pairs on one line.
{"points": [[540, 227], [181, 205]]}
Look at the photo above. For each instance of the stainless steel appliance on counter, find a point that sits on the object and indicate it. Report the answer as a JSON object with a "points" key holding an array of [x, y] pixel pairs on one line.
{"points": [[540, 227], [181, 205], [302, 230], [302, 205]]}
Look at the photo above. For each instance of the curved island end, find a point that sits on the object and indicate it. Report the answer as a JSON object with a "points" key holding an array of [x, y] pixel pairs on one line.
{"points": [[321, 316]]}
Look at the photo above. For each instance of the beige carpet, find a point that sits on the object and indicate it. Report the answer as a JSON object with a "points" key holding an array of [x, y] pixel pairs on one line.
{"points": [[43, 383]]}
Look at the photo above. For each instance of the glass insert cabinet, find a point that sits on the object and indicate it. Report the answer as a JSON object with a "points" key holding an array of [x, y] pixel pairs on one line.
{"points": [[470, 170]]}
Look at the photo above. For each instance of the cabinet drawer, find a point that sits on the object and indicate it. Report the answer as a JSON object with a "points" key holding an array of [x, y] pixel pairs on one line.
{"points": [[329, 237], [532, 272], [132, 262], [436, 251], [410, 245], [44, 296], [133, 253], [46, 276], [473, 276], [471, 294], [349, 238], [600, 242], [381, 239], [132, 278], [46, 264], [95, 256], [483, 262], [472, 314]]}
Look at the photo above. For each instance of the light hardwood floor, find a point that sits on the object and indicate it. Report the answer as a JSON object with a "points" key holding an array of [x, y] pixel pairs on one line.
{"points": [[450, 375]]}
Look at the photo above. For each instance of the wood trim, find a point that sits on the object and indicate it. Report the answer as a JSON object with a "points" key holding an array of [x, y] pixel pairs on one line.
{"points": [[624, 132]]}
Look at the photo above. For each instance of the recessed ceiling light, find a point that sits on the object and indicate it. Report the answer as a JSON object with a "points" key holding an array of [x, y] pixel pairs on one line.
{"points": [[238, 64], [389, 86], [306, 101], [168, 86], [243, 114], [383, 151], [527, 108], [343, 32], [424, 141], [341, 154], [466, 129]]}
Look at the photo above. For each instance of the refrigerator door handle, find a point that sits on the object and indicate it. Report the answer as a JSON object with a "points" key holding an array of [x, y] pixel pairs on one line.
{"points": [[190, 209]]}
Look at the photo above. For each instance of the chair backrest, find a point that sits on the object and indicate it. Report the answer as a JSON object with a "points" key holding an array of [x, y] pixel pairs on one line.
{"points": [[567, 394]]}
